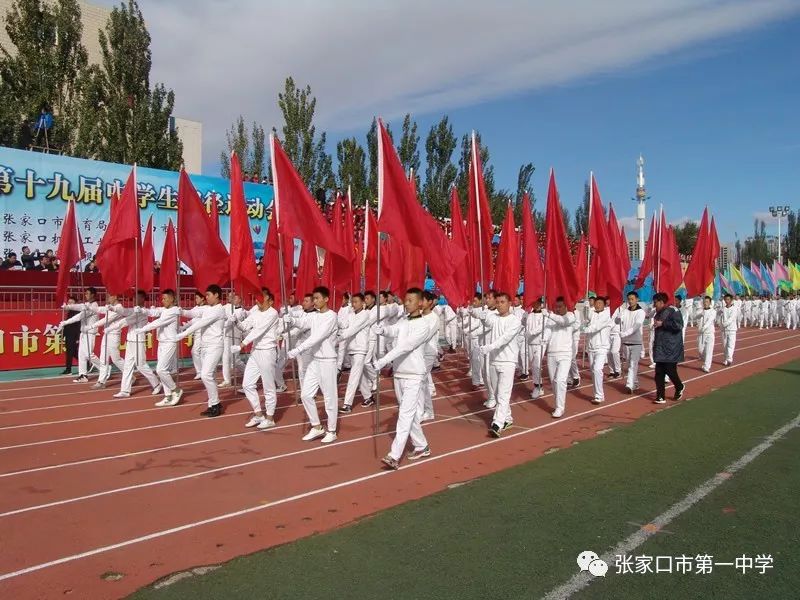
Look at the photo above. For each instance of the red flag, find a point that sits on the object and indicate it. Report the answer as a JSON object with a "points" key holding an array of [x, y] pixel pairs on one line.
{"points": [[464, 285], [625, 257], [199, 248], [508, 257], [532, 269], [296, 212], [337, 271], [270, 264], [307, 271], [668, 274], [560, 277], [581, 261], [350, 241], [714, 243], [168, 275], [608, 275], [649, 254], [620, 252], [403, 218], [371, 254], [480, 229], [148, 258], [70, 251], [118, 254], [213, 211], [244, 273], [700, 272]]}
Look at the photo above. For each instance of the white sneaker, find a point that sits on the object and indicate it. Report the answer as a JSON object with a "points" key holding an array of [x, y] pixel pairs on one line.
{"points": [[652, 365], [240, 390], [254, 420], [330, 436], [490, 403], [223, 385], [597, 401], [314, 433], [198, 376], [156, 390], [558, 413], [537, 392], [281, 388], [433, 393], [706, 370], [175, 397], [122, 395], [427, 417], [164, 401], [99, 385], [265, 424]]}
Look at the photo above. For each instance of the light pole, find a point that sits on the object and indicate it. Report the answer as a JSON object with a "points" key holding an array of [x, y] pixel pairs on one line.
{"points": [[779, 212]]}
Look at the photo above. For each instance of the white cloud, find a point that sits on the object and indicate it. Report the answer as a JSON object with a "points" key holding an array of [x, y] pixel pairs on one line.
{"points": [[225, 57]]}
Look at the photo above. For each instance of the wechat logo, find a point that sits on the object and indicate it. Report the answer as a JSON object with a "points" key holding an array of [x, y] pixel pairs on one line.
{"points": [[589, 561]]}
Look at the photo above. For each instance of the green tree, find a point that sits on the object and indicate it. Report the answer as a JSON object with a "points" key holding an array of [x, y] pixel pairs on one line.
{"points": [[792, 241], [129, 121], [42, 68], [582, 213], [756, 248], [408, 150], [440, 172], [352, 170], [686, 237], [249, 147], [372, 150], [497, 199], [303, 147], [524, 176]]}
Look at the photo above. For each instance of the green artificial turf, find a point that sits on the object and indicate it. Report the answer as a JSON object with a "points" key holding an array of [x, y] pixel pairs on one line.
{"points": [[517, 533]]}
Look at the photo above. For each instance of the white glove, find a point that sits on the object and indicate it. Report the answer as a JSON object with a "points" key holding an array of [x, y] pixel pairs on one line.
{"points": [[485, 350], [138, 310], [231, 320], [284, 311], [292, 354], [379, 330], [236, 349], [93, 331], [181, 336], [65, 305], [617, 320], [84, 330], [378, 364]]}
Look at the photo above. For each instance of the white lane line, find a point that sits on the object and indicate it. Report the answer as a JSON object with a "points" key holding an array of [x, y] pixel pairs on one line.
{"points": [[336, 486], [583, 579], [318, 448]]}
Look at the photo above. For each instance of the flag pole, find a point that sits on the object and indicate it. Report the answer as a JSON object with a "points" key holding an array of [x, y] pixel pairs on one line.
{"points": [[138, 245], [73, 207], [177, 302], [376, 421], [276, 223], [588, 260], [660, 238], [485, 361]]}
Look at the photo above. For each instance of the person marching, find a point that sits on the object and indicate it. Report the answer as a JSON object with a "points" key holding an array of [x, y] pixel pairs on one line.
{"points": [[356, 336], [234, 314], [729, 326], [560, 326], [430, 353], [209, 320], [524, 362], [320, 372], [135, 348], [166, 322], [502, 350], [112, 325], [474, 333], [615, 344], [598, 333], [631, 322], [667, 346], [197, 338], [534, 328], [706, 320], [407, 356], [262, 331], [580, 313], [88, 319]]}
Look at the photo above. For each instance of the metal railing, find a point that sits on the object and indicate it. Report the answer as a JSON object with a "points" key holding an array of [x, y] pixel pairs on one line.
{"points": [[35, 299]]}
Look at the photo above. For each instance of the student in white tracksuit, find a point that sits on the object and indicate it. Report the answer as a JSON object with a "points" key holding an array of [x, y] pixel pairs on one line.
{"points": [[631, 322], [598, 342], [706, 320], [502, 351], [262, 332], [559, 329], [112, 325], [430, 353], [320, 372], [211, 325], [197, 338], [729, 325], [291, 338], [166, 323], [234, 314], [534, 333], [407, 356], [474, 333], [356, 336], [763, 313], [449, 325], [523, 360], [615, 344], [135, 348], [581, 310], [391, 313], [683, 304], [343, 317], [88, 320]]}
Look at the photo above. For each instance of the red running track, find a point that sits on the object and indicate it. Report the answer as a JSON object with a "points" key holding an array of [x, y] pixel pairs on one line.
{"points": [[90, 485]]}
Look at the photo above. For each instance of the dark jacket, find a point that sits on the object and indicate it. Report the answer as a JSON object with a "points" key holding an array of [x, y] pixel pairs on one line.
{"points": [[668, 341]]}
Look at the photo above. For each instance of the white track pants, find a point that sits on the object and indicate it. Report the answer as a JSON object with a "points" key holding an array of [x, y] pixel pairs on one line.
{"points": [[109, 351], [503, 375], [136, 358], [535, 356], [260, 365], [729, 344], [476, 362], [166, 361], [209, 359], [597, 361], [409, 399], [358, 379], [320, 374], [558, 369], [86, 354], [633, 353], [614, 361], [229, 359], [705, 346]]}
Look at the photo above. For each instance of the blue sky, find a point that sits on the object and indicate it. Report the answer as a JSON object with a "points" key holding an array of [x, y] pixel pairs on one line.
{"points": [[706, 90]]}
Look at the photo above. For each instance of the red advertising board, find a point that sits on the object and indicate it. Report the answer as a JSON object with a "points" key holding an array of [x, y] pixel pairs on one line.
{"points": [[30, 340]]}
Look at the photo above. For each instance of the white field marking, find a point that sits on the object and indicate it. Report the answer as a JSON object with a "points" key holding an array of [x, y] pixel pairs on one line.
{"points": [[318, 448], [581, 580], [217, 438], [342, 484], [124, 413], [79, 389]]}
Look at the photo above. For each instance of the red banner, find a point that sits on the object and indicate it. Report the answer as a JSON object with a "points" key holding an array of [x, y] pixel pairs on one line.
{"points": [[31, 340]]}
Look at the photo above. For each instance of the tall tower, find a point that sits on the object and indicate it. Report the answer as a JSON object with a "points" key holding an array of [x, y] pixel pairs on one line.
{"points": [[641, 199]]}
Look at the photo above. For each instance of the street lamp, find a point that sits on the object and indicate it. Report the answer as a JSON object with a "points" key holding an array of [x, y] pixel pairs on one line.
{"points": [[779, 212]]}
